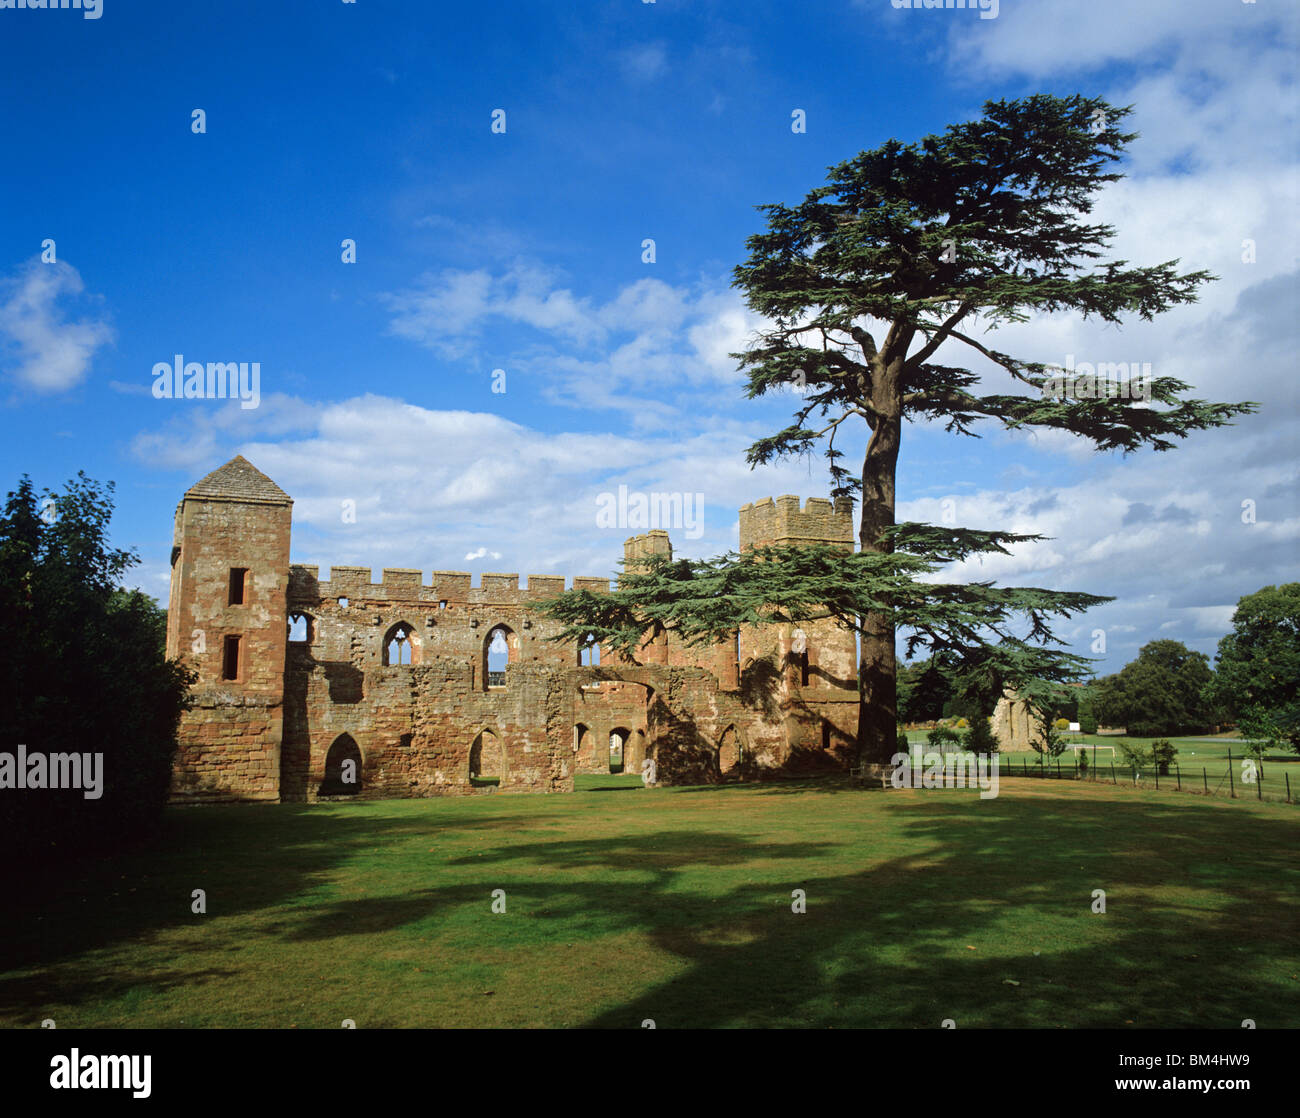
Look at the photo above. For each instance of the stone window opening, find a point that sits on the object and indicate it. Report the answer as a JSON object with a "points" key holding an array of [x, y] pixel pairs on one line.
{"points": [[442, 604], [799, 655], [230, 659], [400, 649], [589, 657], [343, 603], [500, 647], [300, 628], [579, 734], [238, 585]]}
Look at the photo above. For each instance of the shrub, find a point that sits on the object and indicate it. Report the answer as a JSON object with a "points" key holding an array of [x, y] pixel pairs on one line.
{"points": [[1163, 754], [1062, 723], [1137, 756], [962, 724], [980, 739], [1048, 742], [902, 744], [941, 736]]}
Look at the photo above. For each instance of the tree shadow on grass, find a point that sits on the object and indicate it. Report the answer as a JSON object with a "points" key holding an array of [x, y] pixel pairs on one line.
{"points": [[1199, 928], [887, 946], [1198, 932], [269, 856]]}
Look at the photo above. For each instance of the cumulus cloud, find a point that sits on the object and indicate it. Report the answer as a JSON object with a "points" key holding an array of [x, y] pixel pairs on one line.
{"points": [[422, 487], [642, 352], [45, 351]]}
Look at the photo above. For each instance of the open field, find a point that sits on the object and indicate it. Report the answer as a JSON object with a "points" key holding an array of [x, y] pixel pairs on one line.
{"points": [[1195, 754], [624, 904]]}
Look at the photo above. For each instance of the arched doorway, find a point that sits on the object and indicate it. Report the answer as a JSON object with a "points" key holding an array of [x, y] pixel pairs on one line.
{"points": [[617, 749], [487, 761], [729, 751], [342, 768]]}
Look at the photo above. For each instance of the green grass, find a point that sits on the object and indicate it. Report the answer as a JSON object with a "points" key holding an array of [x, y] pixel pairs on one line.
{"points": [[675, 904], [1194, 754]]}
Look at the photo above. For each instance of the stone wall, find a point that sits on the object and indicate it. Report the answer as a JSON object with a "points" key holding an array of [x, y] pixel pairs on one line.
{"points": [[320, 685], [1014, 724]]}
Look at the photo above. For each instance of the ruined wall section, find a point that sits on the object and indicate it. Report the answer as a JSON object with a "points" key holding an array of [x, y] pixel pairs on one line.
{"points": [[415, 724]]}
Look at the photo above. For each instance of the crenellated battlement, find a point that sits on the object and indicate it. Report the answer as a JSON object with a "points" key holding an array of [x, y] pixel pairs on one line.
{"points": [[782, 521], [407, 584]]}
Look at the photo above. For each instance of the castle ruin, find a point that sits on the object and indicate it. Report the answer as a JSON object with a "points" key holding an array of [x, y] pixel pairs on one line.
{"points": [[311, 688]]}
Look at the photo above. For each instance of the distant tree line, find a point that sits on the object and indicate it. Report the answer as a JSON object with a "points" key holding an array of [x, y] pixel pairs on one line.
{"points": [[1168, 689]]}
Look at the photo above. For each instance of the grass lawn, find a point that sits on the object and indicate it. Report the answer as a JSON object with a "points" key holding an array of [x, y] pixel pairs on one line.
{"points": [[675, 904]]}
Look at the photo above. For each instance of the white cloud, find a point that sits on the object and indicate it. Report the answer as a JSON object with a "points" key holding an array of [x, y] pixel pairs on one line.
{"points": [[641, 352], [53, 355], [427, 486], [644, 62]]}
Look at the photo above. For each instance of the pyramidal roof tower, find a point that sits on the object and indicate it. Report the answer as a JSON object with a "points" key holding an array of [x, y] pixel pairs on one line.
{"points": [[239, 480], [226, 616]]}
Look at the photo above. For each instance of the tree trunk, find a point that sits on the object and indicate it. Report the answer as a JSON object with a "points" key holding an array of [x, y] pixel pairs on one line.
{"points": [[878, 668]]}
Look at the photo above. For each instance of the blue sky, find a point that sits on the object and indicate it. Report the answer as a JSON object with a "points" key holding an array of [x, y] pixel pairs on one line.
{"points": [[522, 251]]}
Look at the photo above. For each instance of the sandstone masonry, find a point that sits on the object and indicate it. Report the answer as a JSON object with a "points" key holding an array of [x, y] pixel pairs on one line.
{"points": [[314, 687]]}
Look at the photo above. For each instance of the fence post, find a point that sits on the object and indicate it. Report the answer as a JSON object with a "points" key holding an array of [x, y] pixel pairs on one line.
{"points": [[1178, 773], [1259, 786], [1205, 780], [1232, 786], [1288, 786], [1058, 768], [1157, 772], [1112, 773]]}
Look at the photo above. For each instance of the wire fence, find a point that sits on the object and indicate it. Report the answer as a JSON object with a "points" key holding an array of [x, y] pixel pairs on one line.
{"points": [[1239, 778]]}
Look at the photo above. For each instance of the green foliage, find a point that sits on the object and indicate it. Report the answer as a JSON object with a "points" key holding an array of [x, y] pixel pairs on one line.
{"points": [[1257, 671], [1160, 754], [1048, 741], [1163, 754], [941, 736], [1087, 715], [1007, 193], [1161, 692], [85, 668], [1062, 724], [1137, 756], [922, 692], [980, 737], [903, 745]]}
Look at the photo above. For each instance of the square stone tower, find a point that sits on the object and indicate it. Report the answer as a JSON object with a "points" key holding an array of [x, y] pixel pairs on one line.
{"points": [[227, 616], [817, 660]]}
